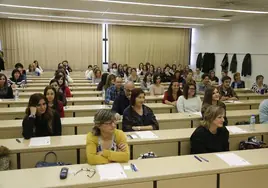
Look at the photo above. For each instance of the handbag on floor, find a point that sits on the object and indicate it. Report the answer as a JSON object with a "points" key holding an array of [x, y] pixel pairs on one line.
{"points": [[44, 163], [4, 159]]}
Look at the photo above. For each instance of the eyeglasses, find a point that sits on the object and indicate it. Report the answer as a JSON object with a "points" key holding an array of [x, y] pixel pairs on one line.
{"points": [[109, 123], [91, 172]]}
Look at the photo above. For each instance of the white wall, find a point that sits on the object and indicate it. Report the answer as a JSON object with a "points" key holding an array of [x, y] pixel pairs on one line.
{"points": [[246, 36]]}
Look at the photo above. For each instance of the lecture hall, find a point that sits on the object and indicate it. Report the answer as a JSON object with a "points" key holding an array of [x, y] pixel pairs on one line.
{"points": [[133, 93]]}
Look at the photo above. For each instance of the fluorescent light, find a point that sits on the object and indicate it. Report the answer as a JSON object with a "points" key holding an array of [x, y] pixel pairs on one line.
{"points": [[100, 20], [75, 21], [114, 13], [179, 6]]}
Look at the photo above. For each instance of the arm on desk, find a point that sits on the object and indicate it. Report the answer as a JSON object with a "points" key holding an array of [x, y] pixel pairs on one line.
{"points": [[118, 156], [91, 151], [27, 127]]}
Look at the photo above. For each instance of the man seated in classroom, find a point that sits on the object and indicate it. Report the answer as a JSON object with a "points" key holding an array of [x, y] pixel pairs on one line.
{"points": [[122, 101], [226, 91], [259, 86], [263, 110], [114, 91], [202, 86]]}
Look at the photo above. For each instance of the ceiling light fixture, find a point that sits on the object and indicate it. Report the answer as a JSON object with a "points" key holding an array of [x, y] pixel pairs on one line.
{"points": [[113, 13], [100, 20], [179, 6]]}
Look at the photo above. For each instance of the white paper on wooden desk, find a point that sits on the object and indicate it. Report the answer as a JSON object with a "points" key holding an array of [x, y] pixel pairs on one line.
{"points": [[40, 141], [233, 159], [111, 171], [235, 129], [146, 134], [197, 113], [238, 102]]}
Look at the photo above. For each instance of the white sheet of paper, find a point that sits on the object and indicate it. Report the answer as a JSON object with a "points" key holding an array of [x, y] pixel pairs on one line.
{"points": [[235, 129], [127, 168], [229, 101], [111, 171], [197, 113], [146, 134], [238, 102], [40, 141], [233, 159]]}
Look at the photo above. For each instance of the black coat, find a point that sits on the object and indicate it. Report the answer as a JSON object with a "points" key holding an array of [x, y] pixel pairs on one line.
{"points": [[225, 63], [246, 66], [2, 64], [233, 66], [199, 61], [208, 62]]}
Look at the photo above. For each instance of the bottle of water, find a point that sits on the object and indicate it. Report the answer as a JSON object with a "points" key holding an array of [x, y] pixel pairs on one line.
{"points": [[16, 94], [252, 123], [235, 85]]}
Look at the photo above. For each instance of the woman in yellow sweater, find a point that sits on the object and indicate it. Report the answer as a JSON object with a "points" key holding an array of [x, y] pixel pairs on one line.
{"points": [[106, 144]]}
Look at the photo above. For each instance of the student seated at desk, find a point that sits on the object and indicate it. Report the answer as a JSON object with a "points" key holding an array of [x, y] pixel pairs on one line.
{"points": [[96, 76], [6, 91], [89, 73], [226, 91], [204, 84], [102, 83], [212, 97], [146, 82], [172, 94], [259, 86], [40, 120], [263, 109], [19, 66], [122, 101], [156, 88], [106, 144], [133, 76], [238, 83], [61, 96], [114, 91], [189, 102], [138, 117], [38, 66], [109, 82], [53, 102], [211, 136], [32, 69], [66, 66], [63, 87], [16, 79], [213, 79]]}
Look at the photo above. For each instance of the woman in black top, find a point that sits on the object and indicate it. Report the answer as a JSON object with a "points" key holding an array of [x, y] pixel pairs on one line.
{"points": [[6, 91], [214, 79], [61, 97], [137, 116], [211, 136], [40, 120], [16, 78]]}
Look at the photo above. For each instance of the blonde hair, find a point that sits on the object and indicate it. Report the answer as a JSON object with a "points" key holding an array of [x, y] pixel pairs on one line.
{"points": [[211, 113]]}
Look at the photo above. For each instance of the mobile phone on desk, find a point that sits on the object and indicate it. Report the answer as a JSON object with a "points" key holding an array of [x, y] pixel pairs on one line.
{"points": [[64, 173]]}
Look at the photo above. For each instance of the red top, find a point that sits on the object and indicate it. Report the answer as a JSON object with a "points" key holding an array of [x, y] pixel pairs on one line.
{"points": [[67, 92], [61, 109], [169, 98]]}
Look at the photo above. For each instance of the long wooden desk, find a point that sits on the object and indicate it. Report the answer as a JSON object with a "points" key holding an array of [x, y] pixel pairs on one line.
{"points": [[83, 125], [71, 149], [80, 110], [185, 171]]}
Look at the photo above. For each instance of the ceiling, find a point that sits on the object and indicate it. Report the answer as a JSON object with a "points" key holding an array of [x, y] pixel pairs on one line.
{"points": [[163, 13]]}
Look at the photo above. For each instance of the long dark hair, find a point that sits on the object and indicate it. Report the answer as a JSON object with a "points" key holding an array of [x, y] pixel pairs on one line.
{"points": [[34, 101], [13, 75], [102, 82], [61, 96], [186, 89], [134, 94], [169, 91], [5, 87], [108, 81], [55, 100], [208, 95]]}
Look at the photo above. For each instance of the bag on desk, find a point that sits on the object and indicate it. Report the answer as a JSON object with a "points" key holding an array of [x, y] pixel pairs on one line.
{"points": [[252, 143], [148, 155], [44, 163]]}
